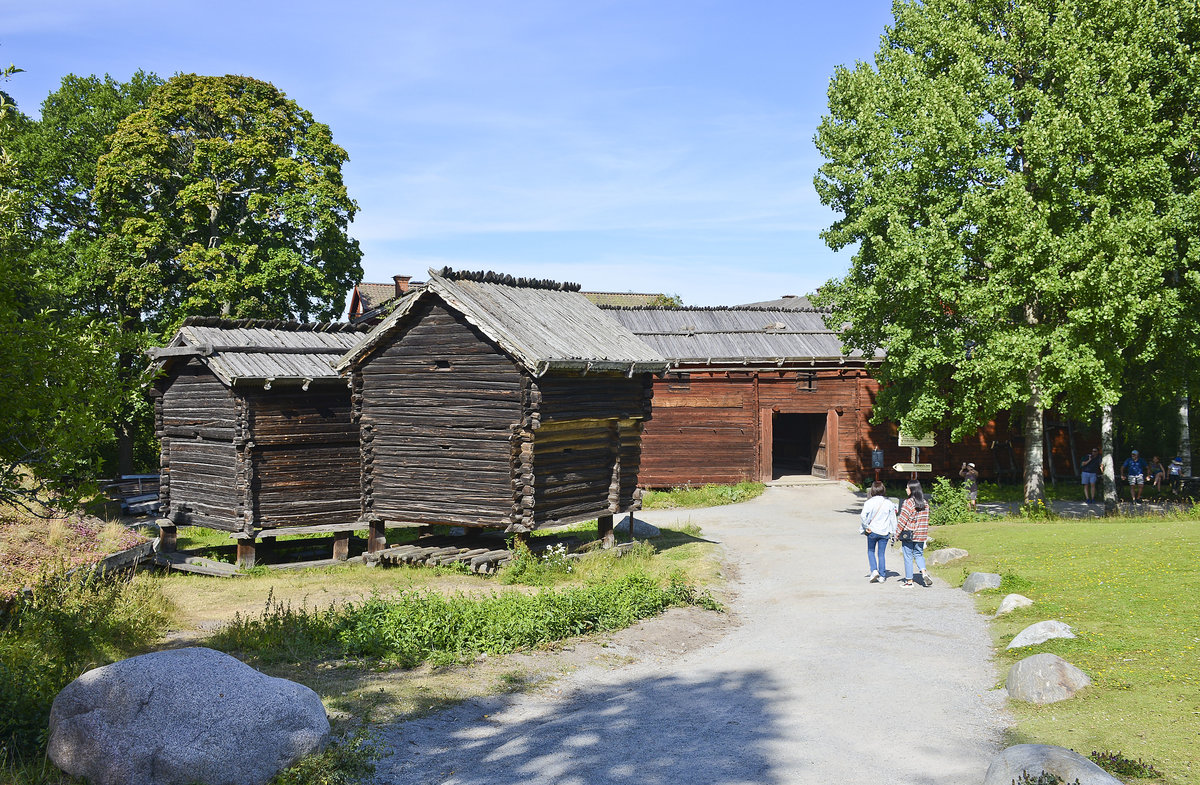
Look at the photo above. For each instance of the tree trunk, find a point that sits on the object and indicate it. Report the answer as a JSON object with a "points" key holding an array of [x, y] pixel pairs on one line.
{"points": [[124, 450], [1035, 429], [1185, 434], [1106, 460]]}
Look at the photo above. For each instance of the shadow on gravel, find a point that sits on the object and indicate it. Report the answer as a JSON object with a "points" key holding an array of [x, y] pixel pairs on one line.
{"points": [[658, 731]]}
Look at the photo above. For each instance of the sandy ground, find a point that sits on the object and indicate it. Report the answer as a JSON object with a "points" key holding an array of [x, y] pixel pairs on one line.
{"points": [[815, 676]]}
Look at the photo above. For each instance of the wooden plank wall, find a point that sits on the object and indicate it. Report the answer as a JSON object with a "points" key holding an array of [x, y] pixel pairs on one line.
{"points": [[437, 409], [587, 449], [712, 428], [304, 457], [197, 426]]}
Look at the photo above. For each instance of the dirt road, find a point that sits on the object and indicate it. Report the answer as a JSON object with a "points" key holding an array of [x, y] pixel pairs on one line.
{"points": [[819, 677]]}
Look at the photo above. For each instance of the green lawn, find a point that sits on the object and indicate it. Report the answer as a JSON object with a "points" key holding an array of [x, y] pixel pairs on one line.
{"points": [[1131, 590]]}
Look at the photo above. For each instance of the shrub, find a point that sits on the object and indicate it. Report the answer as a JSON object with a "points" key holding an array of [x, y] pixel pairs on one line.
{"points": [[1116, 763], [52, 634], [346, 761], [416, 626]]}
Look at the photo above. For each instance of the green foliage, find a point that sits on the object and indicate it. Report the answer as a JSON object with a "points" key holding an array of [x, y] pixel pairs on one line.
{"points": [[1118, 764], [1017, 184], [1038, 510], [346, 761], [949, 504], [63, 627], [416, 626], [533, 569], [704, 496], [224, 196]]}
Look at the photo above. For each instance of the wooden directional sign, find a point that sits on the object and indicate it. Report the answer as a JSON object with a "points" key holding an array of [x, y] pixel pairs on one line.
{"points": [[908, 440], [912, 467]]}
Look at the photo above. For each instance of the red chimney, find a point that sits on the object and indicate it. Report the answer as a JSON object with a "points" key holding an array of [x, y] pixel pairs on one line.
{"points": [[401, 284]]}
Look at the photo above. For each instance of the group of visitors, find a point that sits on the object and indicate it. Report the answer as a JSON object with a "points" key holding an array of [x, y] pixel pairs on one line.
{"points": [[1135, 471], [880, 523]]}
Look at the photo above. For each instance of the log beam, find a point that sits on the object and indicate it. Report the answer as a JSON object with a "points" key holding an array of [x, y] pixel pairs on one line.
{"points": [[604, 527], [341, 546], [245, 554]]}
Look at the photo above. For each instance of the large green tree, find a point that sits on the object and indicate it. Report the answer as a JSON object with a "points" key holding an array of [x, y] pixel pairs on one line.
{"points": [[58, 388], [223, 196], [1007, 169]]}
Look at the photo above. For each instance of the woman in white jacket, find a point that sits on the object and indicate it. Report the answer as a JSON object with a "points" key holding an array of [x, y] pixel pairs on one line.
{"points": [[877, 521]]}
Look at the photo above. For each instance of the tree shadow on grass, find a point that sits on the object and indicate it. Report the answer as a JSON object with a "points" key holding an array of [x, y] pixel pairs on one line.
{"points": [[651, 731]]}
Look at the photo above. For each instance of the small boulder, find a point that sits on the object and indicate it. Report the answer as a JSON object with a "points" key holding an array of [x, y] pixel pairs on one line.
{"points": [[1044, 678], [1034, 759], [1040, 633], [183, 716], [640, 529], [978, 581], [946, 555], [1011, 602]]}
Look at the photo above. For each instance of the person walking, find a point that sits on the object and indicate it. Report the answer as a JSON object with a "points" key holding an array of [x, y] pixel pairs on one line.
{"points": [[1089, 473], [970, 477], [877, 521], [912, 530], [1133, 471]]}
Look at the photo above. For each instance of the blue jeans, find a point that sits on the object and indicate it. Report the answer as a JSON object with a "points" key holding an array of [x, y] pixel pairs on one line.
{"points": [[877, 544], [912, 550]]}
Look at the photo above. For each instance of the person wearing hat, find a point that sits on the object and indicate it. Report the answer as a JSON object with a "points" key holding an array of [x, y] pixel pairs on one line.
{"points": [[1134, 470], [970, 482]]}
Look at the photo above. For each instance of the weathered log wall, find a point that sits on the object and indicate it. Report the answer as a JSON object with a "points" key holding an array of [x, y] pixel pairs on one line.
{"points": [[437, 409], [197, 422], [302, 458]]}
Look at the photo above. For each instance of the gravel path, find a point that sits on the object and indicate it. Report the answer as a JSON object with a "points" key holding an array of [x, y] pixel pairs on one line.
{"points": [[825, 679]]}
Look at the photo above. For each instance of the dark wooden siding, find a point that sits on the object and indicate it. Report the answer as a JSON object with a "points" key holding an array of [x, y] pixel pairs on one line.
{"points": [[198, 425], [304, 460], [438, 407]]}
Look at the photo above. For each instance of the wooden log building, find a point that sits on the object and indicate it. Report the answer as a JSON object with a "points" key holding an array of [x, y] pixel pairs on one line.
{"points": [[487, 401], [256, 429], [761, 391]]}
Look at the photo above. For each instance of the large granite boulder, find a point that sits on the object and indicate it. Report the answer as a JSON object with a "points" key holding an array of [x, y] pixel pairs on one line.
{"points": [[1034, 759], [978, 581], [1011, 602], [1044, 678], [1040, 633], [183, 716], [946, 555], [637, 529]]}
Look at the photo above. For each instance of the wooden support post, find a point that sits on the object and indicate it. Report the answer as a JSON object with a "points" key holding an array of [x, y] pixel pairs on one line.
{"points": [[341, 546], [376, 539], [167, 537], [245, 553], [604, 526]]}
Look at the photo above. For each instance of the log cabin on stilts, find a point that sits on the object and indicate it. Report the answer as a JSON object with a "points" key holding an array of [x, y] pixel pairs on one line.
{"points": [[493, 402], [256, 432]]}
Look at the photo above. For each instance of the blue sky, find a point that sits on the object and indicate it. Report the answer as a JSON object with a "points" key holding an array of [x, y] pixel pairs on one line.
{"points": [[628, 146]]}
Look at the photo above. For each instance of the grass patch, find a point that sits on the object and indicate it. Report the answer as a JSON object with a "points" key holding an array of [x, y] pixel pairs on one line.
{"points": [[1128, 587], [417, 626], [702, 496], [51, 635]]}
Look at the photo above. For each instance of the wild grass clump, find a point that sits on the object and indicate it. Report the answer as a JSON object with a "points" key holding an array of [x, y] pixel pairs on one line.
{"points": [[346, 761], [56, 631], [531, 569], [703, 496], [1118, 764], [415, 626]]}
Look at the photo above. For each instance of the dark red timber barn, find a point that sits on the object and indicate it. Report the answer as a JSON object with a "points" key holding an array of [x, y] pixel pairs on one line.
{"points": [[492, 402], [255, 427], [753, 393]]}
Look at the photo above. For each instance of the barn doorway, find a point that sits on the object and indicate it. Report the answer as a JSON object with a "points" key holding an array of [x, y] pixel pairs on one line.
{"points": [[798, 444]]}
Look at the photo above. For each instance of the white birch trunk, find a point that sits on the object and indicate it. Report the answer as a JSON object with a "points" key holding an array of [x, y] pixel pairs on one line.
{"points": [[1107, 466], [1035, 429], [1185, 435]]}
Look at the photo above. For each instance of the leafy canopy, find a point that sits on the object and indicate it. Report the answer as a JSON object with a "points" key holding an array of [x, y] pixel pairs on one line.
{"points": [[224, 196], [1010, 174]]}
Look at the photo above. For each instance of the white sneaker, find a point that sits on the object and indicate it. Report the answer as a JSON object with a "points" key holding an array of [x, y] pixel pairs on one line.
{"points": [[883, 579], [874, 576]]}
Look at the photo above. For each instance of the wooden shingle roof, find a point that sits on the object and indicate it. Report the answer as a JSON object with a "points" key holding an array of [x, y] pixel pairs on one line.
{"points": [[541, 324], [735, 336], [258, 351]]}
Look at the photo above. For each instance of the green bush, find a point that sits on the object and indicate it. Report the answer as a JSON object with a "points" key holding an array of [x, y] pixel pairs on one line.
{"points": [[52, 634], [949, 503], [417, 626]]}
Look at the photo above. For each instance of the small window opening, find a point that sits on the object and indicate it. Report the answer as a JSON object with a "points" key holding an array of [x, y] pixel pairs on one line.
{"points": [[679, 382], [441, 365], [806, 381]]}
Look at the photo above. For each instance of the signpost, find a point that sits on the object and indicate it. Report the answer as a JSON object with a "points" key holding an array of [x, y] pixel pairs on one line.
{"points": [[915, 442]]}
